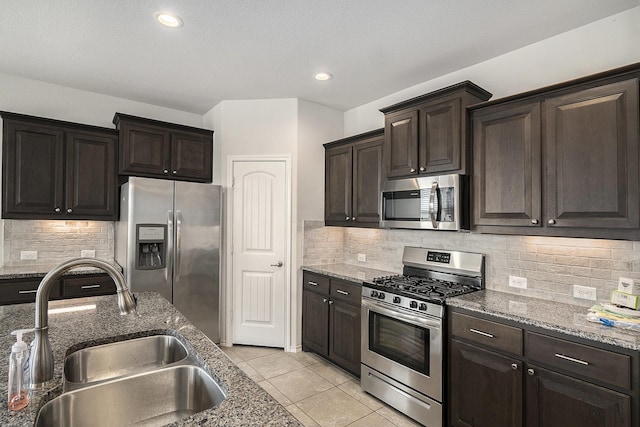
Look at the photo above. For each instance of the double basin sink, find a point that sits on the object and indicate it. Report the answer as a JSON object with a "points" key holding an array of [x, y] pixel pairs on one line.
{"points": [[148, 381]]}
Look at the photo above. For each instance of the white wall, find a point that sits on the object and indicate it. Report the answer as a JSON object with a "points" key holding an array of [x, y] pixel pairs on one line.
{"points": [[609, 43]]}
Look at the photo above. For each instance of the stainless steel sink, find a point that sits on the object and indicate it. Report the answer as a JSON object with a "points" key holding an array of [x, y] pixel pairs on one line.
{"points": [[150, 399], [122, 358]]}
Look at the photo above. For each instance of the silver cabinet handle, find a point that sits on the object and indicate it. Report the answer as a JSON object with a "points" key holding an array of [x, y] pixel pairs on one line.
{"points": [[312, 283], [353, 218], [347, 218], [89, 287], [551, 221], [514, 366], [69, 210], [531, 371], [484, 334], [277, 264], [325, 299], [422, 169], [165, 171], [534, 221], [412, 170], [330, 302], [57, 209], [341, 292], [30, 291], [571, 359], [175, 172]]}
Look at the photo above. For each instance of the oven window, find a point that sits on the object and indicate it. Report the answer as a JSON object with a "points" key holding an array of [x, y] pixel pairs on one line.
{"points": [[399, 341]]}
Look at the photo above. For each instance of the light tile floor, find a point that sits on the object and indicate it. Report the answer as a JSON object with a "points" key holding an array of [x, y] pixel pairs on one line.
{"points": [[316, 392]]}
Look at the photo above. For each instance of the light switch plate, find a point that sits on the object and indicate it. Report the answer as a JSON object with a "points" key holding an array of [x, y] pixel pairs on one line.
{"points": [[28, 254], [584, 292], [518, 282], [88, 253], [362, 257]]}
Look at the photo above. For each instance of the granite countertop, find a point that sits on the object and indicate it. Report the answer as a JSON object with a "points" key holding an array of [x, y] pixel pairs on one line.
{"points": [[353, 273], [39, 270], [555, 316], [247, 404]]}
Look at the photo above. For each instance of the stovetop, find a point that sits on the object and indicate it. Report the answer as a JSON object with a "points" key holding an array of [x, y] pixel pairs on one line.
{"points": [[420, 288]]}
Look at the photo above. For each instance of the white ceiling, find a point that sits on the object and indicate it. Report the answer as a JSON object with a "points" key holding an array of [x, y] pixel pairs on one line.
{"points": [[254, 49]]}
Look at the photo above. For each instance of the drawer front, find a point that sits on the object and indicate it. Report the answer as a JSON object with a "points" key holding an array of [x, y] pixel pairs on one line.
{"points": [[315, 283], [600, 365], [88, 286], [347, 292], [19, 291], [492, 334]]}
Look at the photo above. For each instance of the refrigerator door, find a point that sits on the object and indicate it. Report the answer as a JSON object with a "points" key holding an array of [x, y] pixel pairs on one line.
{"points": [[196, 273], [144, 201]]}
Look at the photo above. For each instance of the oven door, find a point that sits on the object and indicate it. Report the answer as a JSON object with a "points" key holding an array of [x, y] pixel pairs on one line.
{"points": [[404, 346]]}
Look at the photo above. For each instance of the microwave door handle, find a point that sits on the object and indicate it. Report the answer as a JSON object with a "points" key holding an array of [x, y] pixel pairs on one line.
{"points": [[432, 205]]}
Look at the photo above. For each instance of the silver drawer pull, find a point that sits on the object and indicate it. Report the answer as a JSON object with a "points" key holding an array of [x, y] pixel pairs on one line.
{"points": [[484, 334], [89, 286], [32, 291], [342, 292], [312, 283], [571, 359]]}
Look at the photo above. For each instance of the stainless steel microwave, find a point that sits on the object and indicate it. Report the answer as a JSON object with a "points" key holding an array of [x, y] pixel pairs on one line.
{"points": [[429, 203]]}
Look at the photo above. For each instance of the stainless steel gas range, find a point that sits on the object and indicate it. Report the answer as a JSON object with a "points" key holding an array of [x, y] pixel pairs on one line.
{"points": [[403, 329]]}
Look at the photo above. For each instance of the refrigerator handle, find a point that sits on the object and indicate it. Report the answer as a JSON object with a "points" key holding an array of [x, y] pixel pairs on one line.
{"points": [[178, 244], [168, 272]]}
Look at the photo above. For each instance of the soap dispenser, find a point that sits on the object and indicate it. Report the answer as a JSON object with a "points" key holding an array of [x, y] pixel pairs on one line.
{"points": [[18, 397]]}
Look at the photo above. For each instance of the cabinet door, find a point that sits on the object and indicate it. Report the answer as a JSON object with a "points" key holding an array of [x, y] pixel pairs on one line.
{"points": [[91, 187], [485, 388], [367, 179], [15, 291], [338, 181], [144, 150], [191, 156], [315, 322], [555, 400], [344, 336], [440, 137], [401, 144], [592, 157], [507, 166], [33, 170]]}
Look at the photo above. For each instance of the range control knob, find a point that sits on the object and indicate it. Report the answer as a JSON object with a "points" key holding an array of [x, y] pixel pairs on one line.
{"points": [[413, 304], [381, 295], [396, 300], [423, 307], [374, 294]]}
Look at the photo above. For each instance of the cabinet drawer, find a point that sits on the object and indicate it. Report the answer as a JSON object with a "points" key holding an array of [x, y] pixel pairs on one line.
{"points": [[88, 286], [348, 292], [601, 365], [19, 291], [492, 334], [315, 283]]}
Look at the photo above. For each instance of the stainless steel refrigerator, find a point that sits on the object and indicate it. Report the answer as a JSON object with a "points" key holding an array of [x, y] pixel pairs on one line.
{"points": [[168, 240]]}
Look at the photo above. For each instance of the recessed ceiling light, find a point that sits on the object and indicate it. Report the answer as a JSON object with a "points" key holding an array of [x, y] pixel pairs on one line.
{"points": [[168, 19], [323, 75]]}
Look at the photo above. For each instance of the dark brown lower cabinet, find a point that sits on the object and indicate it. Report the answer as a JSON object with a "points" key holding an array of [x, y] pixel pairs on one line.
{"points": [[487, 387], [17, 291], [331, 320], [556, 400]]}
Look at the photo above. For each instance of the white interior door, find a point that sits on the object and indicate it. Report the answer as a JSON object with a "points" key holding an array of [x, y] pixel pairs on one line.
{"points": [[258, 252]]}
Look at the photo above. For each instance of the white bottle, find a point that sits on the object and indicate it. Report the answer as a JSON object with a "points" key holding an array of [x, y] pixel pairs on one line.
{"points": [[18, 395]]}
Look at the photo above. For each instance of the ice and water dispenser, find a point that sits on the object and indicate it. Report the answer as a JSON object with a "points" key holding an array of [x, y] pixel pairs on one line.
{"points": [[151, 246]]}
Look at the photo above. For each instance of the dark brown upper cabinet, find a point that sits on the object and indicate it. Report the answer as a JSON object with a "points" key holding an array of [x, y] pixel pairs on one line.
{"points": [[560, 161], [353, 175], [158, 149], [57, 170], [428, 134]]}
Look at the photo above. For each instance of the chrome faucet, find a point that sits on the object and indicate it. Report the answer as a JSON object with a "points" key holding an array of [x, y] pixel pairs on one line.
{"points": [[41, 359]]}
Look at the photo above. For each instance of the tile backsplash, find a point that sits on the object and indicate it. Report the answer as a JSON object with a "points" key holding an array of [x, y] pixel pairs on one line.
{"points": [[551, 265], [54, 241]]}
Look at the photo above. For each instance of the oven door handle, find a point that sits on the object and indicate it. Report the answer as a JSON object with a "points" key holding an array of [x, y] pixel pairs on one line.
{"points": [[415, 320]]}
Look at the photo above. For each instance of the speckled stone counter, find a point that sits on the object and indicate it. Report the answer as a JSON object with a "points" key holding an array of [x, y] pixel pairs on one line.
{"points": [[247, 404], [353, 273], [551, 315], [40, 270]]}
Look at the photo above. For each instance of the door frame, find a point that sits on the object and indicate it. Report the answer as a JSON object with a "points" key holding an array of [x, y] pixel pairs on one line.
{"points": [[228, 286]]}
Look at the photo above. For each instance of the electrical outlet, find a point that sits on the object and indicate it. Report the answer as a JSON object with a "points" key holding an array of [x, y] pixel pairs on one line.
{"points": [[88, 253], [584, 292], [362, 257], [518, 282], [28, 254]]}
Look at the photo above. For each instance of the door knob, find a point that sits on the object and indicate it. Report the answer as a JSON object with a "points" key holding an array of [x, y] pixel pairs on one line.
{"points": [[277, 264]]}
